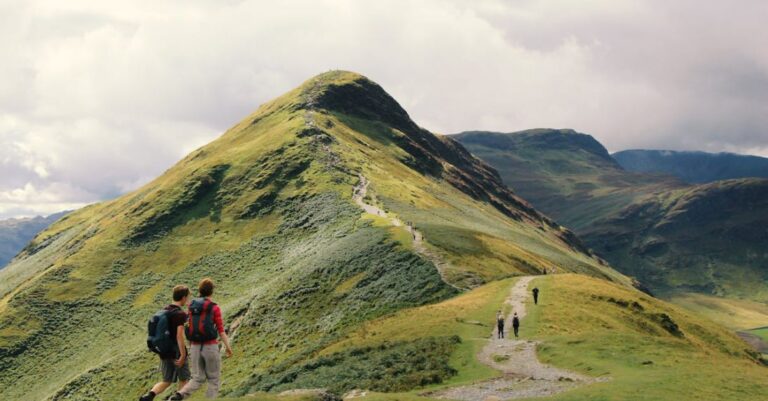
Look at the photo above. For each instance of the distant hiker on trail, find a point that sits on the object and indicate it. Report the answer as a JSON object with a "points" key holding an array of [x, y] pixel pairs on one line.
{"points": [[515, 323], [205, 325], [166, 339], [536, 296], [500, 324]]}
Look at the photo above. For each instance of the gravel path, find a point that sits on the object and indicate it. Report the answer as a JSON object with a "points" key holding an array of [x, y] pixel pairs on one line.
{"points": [[523, 375]]}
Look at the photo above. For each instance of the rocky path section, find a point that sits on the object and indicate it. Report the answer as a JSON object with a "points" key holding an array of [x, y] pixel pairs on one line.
{"points": [[523, 375], [358, 195]]}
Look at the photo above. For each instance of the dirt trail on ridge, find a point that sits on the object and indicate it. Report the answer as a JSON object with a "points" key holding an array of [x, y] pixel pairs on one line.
{"points": [[523, 375], [358, 195]]}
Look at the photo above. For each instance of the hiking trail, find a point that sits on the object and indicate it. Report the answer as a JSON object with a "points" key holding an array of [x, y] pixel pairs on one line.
{"points": [[523, 375], [358, 195]]}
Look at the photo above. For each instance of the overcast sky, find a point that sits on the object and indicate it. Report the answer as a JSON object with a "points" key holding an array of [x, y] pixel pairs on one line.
{"points": [[99, 97]]}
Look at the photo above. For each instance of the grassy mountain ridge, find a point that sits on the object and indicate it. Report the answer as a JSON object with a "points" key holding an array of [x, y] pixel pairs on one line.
{"points": [[566, 174], [649, 349], [267, 211], [674, 237], [694, 167]]}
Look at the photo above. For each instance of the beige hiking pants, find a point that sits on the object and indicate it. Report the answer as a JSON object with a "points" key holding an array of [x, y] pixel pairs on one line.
{"points": [[205, 362]]}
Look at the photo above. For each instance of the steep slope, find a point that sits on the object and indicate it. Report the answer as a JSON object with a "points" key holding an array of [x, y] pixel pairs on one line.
{"points": [[672, 236], [270, 211], [566, 174], [16, 233], [694, 167], [709, 239]]}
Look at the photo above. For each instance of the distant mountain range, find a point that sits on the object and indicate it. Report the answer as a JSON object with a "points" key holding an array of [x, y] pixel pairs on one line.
{"points": [[693, 167], [16, 233], [673, 236]]}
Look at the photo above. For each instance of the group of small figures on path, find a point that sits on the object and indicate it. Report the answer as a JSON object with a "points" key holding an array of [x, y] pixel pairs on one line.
{"points": [[515, 320]]}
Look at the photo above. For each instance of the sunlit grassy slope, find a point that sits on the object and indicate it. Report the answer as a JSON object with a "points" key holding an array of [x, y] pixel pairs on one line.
{"points": [[734, 314], [761, 332], [651, 350], [674, 237], [266, 210]]}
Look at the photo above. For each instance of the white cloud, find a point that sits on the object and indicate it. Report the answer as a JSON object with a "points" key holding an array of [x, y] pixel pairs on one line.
{"points": [[100, 97]]}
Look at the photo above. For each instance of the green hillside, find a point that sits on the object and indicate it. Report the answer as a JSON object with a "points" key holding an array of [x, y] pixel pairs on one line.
{"points": [[674, 237], [269, 211], [566, 174]]}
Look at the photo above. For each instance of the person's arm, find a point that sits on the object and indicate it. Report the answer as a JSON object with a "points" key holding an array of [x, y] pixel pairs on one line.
{"points": [[225, 340], [182, 348], [220, 327]]}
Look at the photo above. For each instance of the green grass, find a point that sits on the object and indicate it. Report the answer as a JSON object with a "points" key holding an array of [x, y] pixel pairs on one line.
{"points": [[586, 328], [469, 316], [760, 332], [732, 313]]}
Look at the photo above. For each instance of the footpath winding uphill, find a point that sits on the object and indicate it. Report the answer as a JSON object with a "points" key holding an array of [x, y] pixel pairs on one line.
{"points": [[359, 193], [523, 375]]}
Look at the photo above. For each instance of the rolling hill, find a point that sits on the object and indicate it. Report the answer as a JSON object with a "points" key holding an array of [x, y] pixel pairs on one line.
{"points": [[674, 237], [693, 167], [16, 233], [323, 210]]}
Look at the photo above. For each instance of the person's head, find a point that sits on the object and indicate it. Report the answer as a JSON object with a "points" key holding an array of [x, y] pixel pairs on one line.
{"points": [[515, 313], [205, 287], [181, 294]]}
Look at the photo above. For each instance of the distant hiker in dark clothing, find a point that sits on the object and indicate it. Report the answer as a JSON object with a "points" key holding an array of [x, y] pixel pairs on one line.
{"points": [[500, 324], [206, 326], [515, 324], [535, 296], [166, 339]]}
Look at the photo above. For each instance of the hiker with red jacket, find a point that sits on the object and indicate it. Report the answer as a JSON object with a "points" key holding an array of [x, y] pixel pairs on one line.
{"points": [[166, 338], [205, 326]]}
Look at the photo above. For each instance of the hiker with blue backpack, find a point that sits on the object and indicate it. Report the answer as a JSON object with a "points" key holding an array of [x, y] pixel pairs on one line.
{"points": [[205, 327], [166, 339]]}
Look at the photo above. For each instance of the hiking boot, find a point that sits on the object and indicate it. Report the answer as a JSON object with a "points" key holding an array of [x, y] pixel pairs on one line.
{"points": [[176, 397], [147, 397]]}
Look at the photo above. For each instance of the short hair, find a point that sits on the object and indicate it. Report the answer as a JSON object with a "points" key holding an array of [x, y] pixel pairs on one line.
{"points": [[179, 292], [205, 287]]}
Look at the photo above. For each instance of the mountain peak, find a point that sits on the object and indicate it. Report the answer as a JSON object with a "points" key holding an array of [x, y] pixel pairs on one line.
{"points": [[353, 94]]}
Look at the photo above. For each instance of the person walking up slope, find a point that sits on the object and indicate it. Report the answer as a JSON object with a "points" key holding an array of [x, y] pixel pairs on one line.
{"points": [[515, 323], [205, 326], [166, 339], [500, 324], [536, 296]]}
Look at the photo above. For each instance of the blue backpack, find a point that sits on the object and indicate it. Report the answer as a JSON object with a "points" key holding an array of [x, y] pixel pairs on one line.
{"points": [[160, 340], [201, 327]]}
